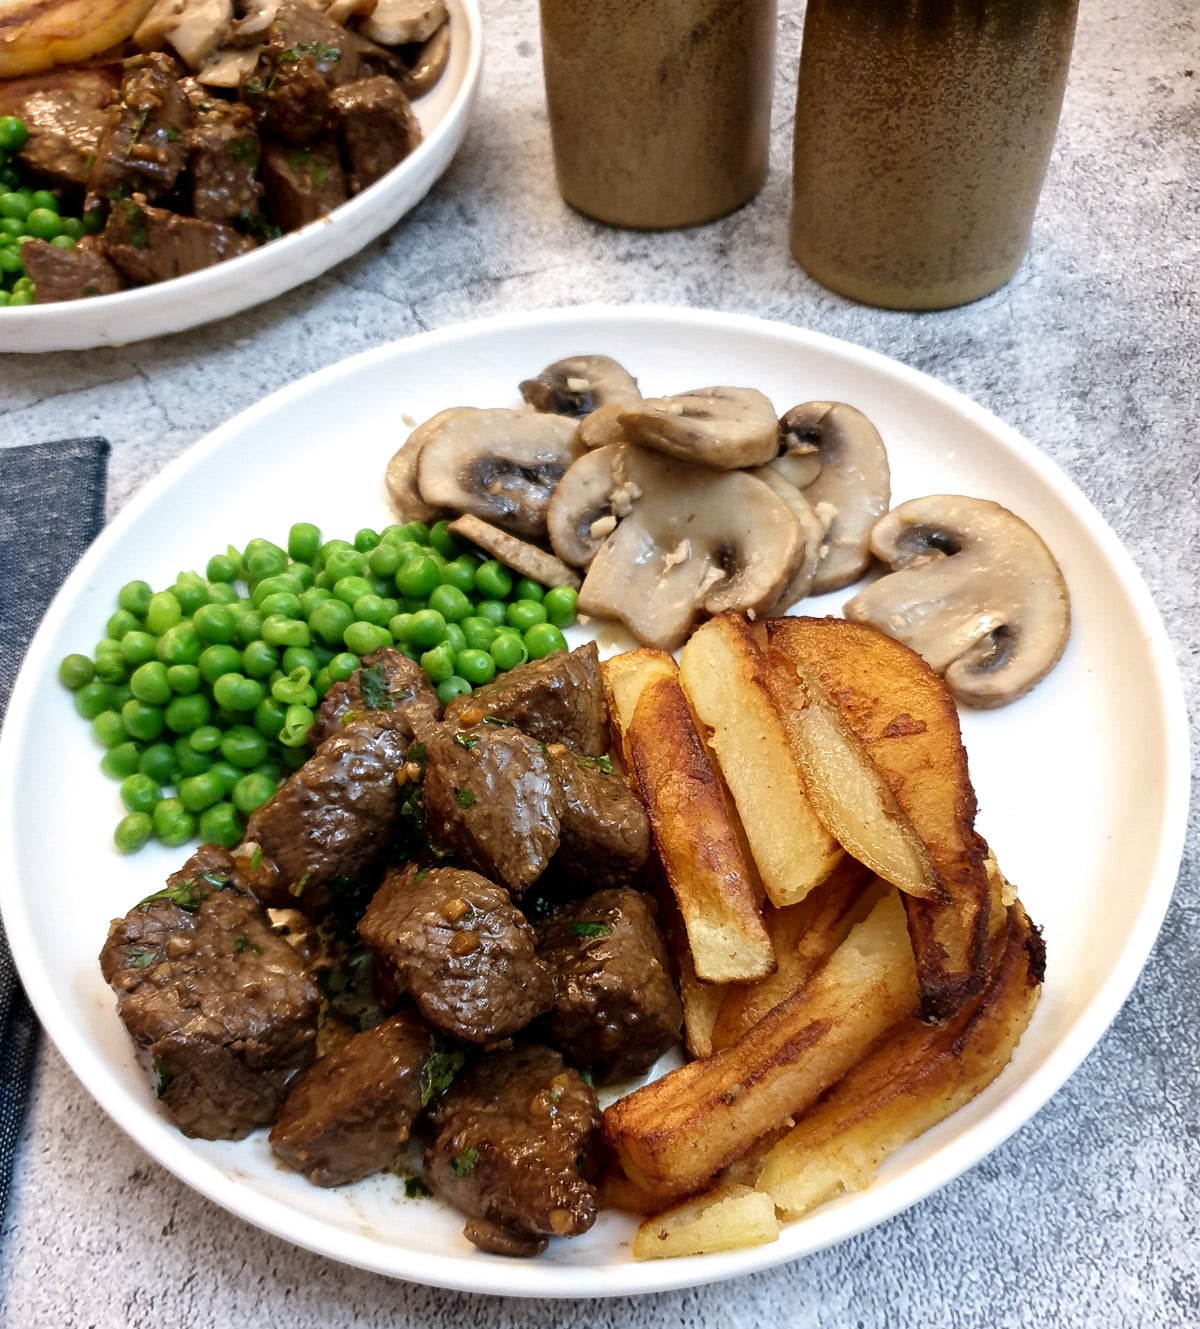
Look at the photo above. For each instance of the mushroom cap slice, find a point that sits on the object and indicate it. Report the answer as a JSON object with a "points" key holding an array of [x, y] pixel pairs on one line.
{"points": [[396, 22], [974, 590], [814, 537], [520, 555], [577, 385], [587, 504], [723, 427], [697, 542], [501, 465], [835, 455], [400, 475]]}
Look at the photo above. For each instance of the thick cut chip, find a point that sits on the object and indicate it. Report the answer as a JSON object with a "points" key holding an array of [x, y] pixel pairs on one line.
{"points": [[727, 1218], [724, 676], [674, 1135], [39, 34], [876, 733]]}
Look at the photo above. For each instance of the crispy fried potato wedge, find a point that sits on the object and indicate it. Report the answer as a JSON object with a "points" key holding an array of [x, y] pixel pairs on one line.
{"points": [[696, 837], [723, 674], [804, 936], [39, 34], [915, 1077], [728, 1218], [876, 733], [674, 1135]]}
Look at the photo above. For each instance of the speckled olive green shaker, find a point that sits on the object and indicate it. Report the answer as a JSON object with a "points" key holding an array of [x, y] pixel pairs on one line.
{"points": [[659, 109], [923, 131]]}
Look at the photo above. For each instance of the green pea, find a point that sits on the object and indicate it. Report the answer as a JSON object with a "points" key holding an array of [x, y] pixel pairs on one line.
{"points": [[217, 660], [14, 204], [438, 661], [45, 198], [443, 540], [478, 631], [243, 746], [460, 573], [493, 580], [304, 539], [25, 297], [184, 679], [299, 721], [313, 597], [344, 563], [493, 611], [221, 825], [523, 614], [270, 715], [456, 637], [163, 611], [189, 762], [198, 792], [322, 681], [365, 540], [249, 627], [148, 683], [282, 583], [509, 650], [205, 738], [222, 593], [260, 660], [133, 832], [223, 569], [236, 692], [300, 657], [372, 609], [142, 721], [262, 558], [42, 224], [184, 715], [544, 639], [108, 729], [191, 590], [426, 628], [158, 762], [476, 666], [416, 531], [252, 791], [215, 623], [110, 664], [343, 665], [350, 589], [384, 561], [173, 823], [329, 621], [293, 688], [528, 589], [450, 602], [227, 773], [137, 647], [92, 698], [179, 645], [417, 577], [139, 793], [363, 638], [560, 604], [75, 670], [13, 133], [398, 626], [121, 761], [452, 687], [120, 623]]}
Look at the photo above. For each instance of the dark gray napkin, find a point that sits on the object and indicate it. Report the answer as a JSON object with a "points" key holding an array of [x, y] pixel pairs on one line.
{"points": [[51, 507]]}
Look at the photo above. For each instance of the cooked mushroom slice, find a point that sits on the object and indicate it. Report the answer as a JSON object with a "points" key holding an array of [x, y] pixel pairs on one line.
{"points": [[587, 504], [724, 427], [401, 474], [603, 426], [835, 455], [397, 22], [429, 64], [698, 541], [194, 28], [500, 465], [973, 590], [522, 557], [814, 537], [578, 385]]}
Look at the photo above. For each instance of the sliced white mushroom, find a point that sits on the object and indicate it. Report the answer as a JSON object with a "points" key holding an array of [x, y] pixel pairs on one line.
{"points": [[194, 29], [696, 542], [974, 590], [428, 64], [581, 514], [728, 428], [520, 555], [602, 427], [814, 537], [501, 465], [579, 384], [401, 474], [397, 22], [835, 455]]}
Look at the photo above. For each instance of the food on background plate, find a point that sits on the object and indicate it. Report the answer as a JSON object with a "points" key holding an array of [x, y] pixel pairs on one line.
{"points": [[197, 133], [39, 34]]}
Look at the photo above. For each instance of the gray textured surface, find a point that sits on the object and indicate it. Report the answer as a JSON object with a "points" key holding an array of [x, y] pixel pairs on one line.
{"points": [[1089, 1216]]}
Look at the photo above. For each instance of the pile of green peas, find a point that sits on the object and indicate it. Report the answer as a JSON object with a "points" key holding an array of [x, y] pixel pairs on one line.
{"points": [[28, 213], [203, 694]]}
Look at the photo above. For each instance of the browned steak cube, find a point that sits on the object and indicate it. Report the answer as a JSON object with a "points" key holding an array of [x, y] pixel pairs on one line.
{"points": [[350, 1112], [222, 1005], [617, 1009], [376, 127], [559, 699], [492, 800], [65, 112], [68, 274], [517, 1145], [605, 833], [148, 244], [461, 950], [302, 184], [389, 682], [223, 153], [331, 822]]}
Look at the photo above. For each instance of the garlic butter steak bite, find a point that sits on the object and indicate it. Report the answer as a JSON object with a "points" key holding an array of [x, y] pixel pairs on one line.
{"points": [[388, 682], [604, 833], [973, 590]]}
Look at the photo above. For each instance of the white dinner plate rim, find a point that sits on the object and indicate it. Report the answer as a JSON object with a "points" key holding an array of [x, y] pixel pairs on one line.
{"points": [[518, 1278]]}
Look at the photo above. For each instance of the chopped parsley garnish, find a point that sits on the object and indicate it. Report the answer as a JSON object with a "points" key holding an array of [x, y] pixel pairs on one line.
{"points": [[373, 684], [499, 723], [597, 763], [466, 741], [415, 1188], [172, 134], [241, 944], [139, 957], [162, 1077], [217, 880], [186, 895], [256, 858], [320, 174], [437, 1075], [297, 888], [318, 50], [466, 1162], [244, 148], [139, 231], [465, 798], [590, 929]]}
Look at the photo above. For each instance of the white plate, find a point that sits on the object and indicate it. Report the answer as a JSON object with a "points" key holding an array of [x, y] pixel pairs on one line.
{"points": [[1082, 785], [228, 288]]}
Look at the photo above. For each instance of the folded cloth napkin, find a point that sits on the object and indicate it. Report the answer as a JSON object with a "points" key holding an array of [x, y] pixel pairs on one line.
{"points": [[51, 507]]}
